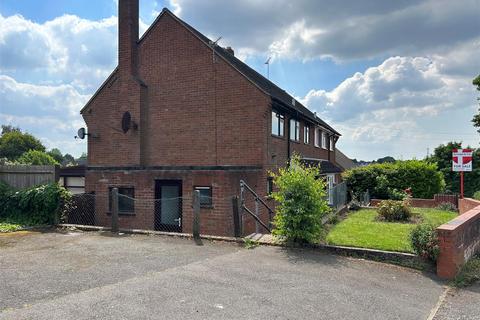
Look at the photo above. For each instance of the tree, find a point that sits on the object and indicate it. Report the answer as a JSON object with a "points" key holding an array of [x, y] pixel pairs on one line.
{"points": [[83, 157], [36, 157], [386, 159], [68, 159], [56, 154], [301, 201], [9, 128], [442, 155], [476, 118], [14, 143]]}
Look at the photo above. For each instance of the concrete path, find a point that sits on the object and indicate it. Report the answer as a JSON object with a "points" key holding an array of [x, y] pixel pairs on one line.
{"points": [[97, 276]]}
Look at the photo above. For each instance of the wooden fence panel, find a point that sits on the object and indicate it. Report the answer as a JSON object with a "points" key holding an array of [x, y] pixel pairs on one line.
{"points": [[26, 176]]}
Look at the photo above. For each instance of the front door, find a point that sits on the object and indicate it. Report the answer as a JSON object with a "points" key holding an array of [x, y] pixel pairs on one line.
{"points": [[168, 205]]}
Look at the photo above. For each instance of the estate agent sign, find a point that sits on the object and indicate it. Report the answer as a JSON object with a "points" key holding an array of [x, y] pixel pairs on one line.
{"points": [[461, 162]]}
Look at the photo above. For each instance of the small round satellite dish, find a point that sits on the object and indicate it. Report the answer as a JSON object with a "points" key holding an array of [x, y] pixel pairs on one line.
{"points": [[126, 122], [81, 133]]}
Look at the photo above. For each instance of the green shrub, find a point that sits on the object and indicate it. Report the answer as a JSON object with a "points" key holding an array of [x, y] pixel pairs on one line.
{"points": [[425, 242], [387, 180], [469, 273], [476, 195], [301, 201], [447, 206], [394, 210], [34, 206], [36, 157]]}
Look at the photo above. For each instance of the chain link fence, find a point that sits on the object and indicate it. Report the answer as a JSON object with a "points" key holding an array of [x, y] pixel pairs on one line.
{"points": [[185, 214]]}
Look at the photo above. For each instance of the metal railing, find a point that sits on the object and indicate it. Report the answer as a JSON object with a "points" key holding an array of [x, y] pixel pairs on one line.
{"points": [[244, 188], [337, 196]]}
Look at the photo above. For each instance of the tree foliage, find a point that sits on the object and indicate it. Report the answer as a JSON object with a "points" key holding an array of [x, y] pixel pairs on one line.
{"points": [[14, 143], [35, 157], [388, 180], [442, 156], [476, 118], [301, 198]]}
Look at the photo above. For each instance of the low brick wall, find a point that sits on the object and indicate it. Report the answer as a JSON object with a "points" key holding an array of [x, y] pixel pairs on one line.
{"points": [[467, 204], [459, 239], [426, 203]]}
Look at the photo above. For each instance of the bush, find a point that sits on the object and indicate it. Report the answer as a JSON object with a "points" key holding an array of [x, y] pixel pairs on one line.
{"points": [[301, 201], [34, 206], [394, 210], [36, 157], [425, 242], [469, 273], [386, 180], [476, 195], [447, 206]]}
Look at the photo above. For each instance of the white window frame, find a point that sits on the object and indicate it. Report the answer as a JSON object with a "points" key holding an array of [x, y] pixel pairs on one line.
{"points": [[279, 130], [317, 139], [331, 143], [324, 140], [306, 134], [294, 130]]}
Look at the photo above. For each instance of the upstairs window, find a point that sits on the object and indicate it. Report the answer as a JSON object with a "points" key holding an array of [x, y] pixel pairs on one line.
{"points": [[306, 135], [278, 121], [318, 134], [294, 130], [331, 143], [324, 140]]}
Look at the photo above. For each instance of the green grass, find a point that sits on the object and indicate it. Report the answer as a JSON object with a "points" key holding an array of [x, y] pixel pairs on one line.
{"points": [[9, 227], [361, 229]]}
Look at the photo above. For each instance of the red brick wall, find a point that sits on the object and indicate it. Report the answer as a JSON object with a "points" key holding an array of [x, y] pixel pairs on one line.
{"points": [[215, 221], [459, 240], [200, 112], [427, 203], [467, 204]]}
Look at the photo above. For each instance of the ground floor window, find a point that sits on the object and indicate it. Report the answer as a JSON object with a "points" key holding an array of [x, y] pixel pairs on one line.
{"points": [[126, 200], [206, 200]]}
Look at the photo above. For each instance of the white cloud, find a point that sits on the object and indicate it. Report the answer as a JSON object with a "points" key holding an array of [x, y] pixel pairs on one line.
{"points": [[399, 108], [49, 112], [403, 83], [340, 30]]}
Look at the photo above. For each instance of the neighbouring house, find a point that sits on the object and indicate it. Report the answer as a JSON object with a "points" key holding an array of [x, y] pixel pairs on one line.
{"points": [[343, 161], [180, 113], [72, 178]]}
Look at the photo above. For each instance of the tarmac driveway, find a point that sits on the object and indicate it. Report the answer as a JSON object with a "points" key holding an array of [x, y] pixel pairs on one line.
{"points": [[98, 276]]}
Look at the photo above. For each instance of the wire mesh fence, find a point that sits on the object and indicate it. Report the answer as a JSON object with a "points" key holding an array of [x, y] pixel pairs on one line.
{"points": [[80, 210], [169, 213]]}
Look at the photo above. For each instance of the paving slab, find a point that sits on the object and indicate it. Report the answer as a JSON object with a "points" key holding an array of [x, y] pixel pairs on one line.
{"points": [[460, 304]]}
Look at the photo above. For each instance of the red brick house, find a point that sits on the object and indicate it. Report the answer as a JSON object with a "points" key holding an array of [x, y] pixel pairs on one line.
{"points": [[200, 119]]}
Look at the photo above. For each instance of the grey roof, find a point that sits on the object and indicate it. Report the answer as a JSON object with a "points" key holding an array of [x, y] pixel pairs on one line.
{"points": [[325, 165]]}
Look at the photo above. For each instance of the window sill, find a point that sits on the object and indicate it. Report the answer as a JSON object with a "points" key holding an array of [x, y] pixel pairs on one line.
{"points": [[122, 213], [207, 207], [295, 141], [278, 137]]}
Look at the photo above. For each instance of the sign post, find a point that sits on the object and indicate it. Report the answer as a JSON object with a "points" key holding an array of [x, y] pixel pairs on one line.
{"points": [[461, 162]]}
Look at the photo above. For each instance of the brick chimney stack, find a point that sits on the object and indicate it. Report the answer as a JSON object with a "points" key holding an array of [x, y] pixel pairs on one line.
{"points": [[128, 36]]}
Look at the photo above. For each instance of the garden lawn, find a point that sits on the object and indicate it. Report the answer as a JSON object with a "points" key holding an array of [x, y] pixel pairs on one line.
{"points": [[361, 229], [9, 227]]}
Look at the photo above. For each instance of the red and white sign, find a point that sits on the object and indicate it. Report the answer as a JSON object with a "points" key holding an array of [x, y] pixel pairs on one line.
{"points": [[462, 160]]}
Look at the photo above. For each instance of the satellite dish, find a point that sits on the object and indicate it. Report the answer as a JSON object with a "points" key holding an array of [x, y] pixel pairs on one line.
{"points": [[81, 133], [126, 122]]}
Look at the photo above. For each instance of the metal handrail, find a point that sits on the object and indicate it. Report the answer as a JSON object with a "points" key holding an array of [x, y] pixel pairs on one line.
{"points": [[243, 187]]}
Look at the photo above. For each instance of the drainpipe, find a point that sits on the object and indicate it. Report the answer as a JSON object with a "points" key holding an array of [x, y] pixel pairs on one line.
{"points": [[288, 140]]}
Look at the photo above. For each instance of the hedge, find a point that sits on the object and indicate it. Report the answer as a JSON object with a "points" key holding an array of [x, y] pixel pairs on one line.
{"points": [[33, 206], [388, 180]]}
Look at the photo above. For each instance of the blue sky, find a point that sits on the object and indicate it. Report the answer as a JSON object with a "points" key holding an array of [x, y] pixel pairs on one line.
{"points": [[393, 77]]}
